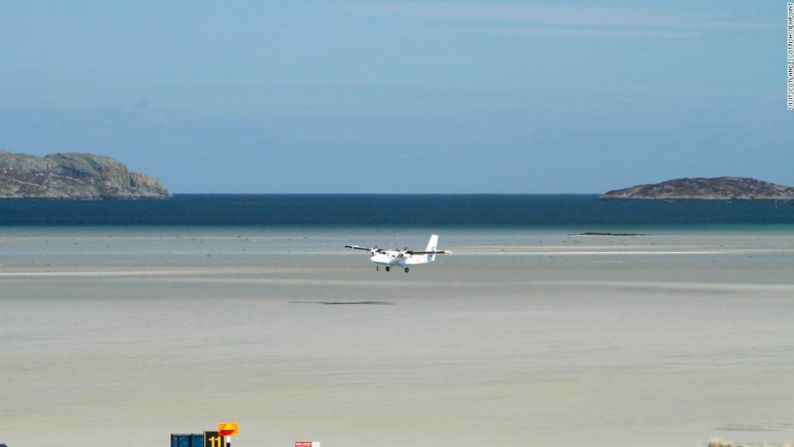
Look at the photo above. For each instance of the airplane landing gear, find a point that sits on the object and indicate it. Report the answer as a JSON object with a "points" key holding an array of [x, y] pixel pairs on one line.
{"points": [[388, 269], [377, 268], [406, 269]]}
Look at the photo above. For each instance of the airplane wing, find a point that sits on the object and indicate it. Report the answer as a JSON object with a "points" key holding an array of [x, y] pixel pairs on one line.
{"points": [[437, 252], [357, 247]]}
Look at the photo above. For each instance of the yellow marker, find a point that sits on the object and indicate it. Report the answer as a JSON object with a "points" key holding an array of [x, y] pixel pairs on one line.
{"points": [[228, 429]]}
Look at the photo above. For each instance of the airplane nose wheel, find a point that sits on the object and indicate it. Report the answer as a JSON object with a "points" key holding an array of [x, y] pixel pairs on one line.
{"points": [[406, 270], [388, 269], [377, 268]]}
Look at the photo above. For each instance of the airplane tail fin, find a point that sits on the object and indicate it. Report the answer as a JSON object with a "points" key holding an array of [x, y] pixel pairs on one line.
{"points": [[432, 245]]}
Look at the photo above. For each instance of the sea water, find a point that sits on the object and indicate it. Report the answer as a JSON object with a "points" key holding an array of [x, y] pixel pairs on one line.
{"points": [[406, 210]]}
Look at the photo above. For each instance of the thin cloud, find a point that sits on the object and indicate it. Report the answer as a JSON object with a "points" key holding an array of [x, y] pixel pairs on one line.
{"points": [[557, 19], [584, 32]]}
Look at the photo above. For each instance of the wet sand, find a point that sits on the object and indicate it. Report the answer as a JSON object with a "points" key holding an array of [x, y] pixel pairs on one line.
{"points": [[519, 338]]}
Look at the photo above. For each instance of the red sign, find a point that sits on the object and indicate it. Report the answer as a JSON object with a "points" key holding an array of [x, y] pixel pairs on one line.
{"points": [[228, 429], [303, 444]]}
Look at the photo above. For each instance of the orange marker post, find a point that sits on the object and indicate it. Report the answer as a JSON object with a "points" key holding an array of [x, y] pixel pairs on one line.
{"points": [[227, 430]]}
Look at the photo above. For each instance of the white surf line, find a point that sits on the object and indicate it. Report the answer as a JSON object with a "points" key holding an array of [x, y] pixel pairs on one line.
{"points": [[83, 274], [681, 286], [209, 272], [604, 253], [422, 284], [724, 251], [738, 251], [475, 252], [203, 278]]}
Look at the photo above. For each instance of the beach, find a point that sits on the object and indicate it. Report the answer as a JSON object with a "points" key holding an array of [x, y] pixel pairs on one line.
{"points": [[523, 336]]}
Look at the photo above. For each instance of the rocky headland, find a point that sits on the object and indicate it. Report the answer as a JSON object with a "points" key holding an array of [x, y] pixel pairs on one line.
{"points": [[73, 176], [719, 188]]}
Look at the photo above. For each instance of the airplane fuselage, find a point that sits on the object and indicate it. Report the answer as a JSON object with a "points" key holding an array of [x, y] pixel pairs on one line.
{"points": [[394, 258], [402, 258]]}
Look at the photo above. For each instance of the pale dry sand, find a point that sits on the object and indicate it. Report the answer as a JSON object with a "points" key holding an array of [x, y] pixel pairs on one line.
{"points": [[520, 338]]}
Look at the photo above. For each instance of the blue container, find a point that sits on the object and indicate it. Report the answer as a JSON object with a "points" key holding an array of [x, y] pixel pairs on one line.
{"points": [[187, 440]]}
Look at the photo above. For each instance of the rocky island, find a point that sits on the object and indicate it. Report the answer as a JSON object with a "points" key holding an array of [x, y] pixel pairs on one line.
{"points": [[73, 176], [719, 188]]}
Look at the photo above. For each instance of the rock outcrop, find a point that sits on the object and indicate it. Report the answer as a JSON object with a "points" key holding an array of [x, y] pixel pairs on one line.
{"points": [[73, 176], [719, 188]]}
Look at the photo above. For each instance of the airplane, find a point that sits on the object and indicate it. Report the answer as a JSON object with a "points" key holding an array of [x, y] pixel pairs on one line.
{"points": [[405, 257]]}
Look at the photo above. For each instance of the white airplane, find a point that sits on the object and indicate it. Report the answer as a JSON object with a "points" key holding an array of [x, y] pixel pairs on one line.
{"points": [[403, 258]]}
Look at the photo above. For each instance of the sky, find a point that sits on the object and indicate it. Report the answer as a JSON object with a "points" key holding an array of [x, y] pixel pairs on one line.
{"points": [[402, 96]]}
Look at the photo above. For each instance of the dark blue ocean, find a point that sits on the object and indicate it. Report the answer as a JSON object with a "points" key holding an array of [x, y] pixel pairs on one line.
{"points": [[400, 210]]}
